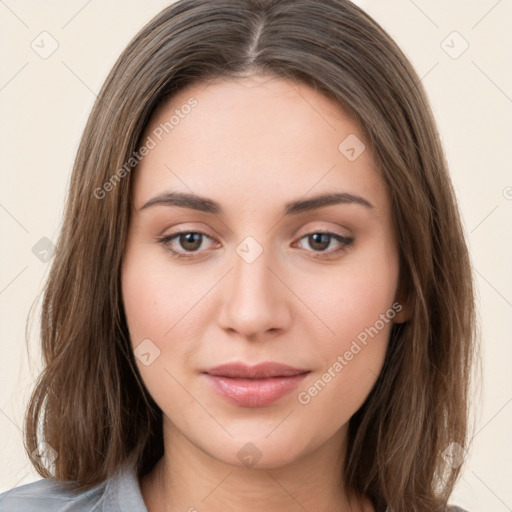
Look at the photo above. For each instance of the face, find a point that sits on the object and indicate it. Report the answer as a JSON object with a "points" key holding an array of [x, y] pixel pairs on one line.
{"points": [[260, 271]]}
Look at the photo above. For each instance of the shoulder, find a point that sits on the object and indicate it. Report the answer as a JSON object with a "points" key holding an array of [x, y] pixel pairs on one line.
{"points": [[118, 493], [49, 495]]}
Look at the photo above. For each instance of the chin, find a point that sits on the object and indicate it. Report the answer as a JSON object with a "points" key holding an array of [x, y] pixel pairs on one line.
{"points": [[260, 450]]}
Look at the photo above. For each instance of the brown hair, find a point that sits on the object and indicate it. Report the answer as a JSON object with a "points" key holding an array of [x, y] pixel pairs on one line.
{"points": [[90, 404]]}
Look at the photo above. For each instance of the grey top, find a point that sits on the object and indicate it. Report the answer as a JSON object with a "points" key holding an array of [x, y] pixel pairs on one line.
{"points": [[120, 493]]}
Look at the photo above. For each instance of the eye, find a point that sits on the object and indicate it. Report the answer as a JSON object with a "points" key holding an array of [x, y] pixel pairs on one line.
{"points": [[190, 241], [320, 241]]}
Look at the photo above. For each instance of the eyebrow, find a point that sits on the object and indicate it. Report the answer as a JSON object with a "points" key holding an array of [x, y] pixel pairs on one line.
{"points": [[203, 204]]}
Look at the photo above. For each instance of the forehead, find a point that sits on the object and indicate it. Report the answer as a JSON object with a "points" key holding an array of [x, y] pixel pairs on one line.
{"points": [[255, 138]]}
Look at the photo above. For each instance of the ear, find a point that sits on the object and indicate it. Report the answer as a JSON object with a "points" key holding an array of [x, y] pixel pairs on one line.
{"points": [[402, 306]]}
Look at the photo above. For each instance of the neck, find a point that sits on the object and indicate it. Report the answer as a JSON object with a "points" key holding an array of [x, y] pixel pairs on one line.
{"points": [[188, 479]]}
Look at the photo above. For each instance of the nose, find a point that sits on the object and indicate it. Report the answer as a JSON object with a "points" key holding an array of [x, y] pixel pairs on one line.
{"points": [[255, 299]]}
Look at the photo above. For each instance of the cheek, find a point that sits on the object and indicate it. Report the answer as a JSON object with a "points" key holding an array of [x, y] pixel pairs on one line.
{"points": [[158, 297], [167, 311], [356, 306], [353, 297], [147, 305], [162, 322]]}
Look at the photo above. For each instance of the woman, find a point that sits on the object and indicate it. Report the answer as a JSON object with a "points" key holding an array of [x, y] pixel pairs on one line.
{"points": [[262, 295]]}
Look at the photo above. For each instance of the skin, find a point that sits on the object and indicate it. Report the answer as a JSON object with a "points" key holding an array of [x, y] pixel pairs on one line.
{"points": [[253, 145]]}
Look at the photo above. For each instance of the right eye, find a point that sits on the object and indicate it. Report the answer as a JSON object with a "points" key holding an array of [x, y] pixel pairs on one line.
{"points": [[190, 241]]}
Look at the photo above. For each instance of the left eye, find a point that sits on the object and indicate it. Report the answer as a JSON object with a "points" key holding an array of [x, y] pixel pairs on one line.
{"points": [[320, 241], [191, 242]]}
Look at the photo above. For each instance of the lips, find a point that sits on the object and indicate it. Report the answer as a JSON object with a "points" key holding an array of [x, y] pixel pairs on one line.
{"points": [[254, 386], [259, 371]]}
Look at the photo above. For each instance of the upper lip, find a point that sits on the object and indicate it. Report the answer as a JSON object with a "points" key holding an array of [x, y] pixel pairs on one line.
{"points": [[259, 371]]}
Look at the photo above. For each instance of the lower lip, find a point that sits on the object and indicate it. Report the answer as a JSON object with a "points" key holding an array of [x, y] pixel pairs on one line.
{"points": [[254, 392]]}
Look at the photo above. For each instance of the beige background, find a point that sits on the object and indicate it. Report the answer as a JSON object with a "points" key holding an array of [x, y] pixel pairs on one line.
{"points": [[44, 104]]}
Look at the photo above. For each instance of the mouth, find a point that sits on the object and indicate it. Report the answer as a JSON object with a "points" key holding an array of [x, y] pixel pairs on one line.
{"points": [[254, 386]]}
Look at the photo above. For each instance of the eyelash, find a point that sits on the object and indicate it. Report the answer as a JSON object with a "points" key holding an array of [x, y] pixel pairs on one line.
{"points": [[345, 243]]}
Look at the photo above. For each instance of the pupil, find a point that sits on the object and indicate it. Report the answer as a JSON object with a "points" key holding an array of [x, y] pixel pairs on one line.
{"points": [[191, 238], [321, 239]]}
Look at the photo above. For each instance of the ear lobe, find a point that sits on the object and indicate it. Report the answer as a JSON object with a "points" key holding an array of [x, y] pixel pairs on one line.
{"points": [[401, 316], [402, 307]]}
